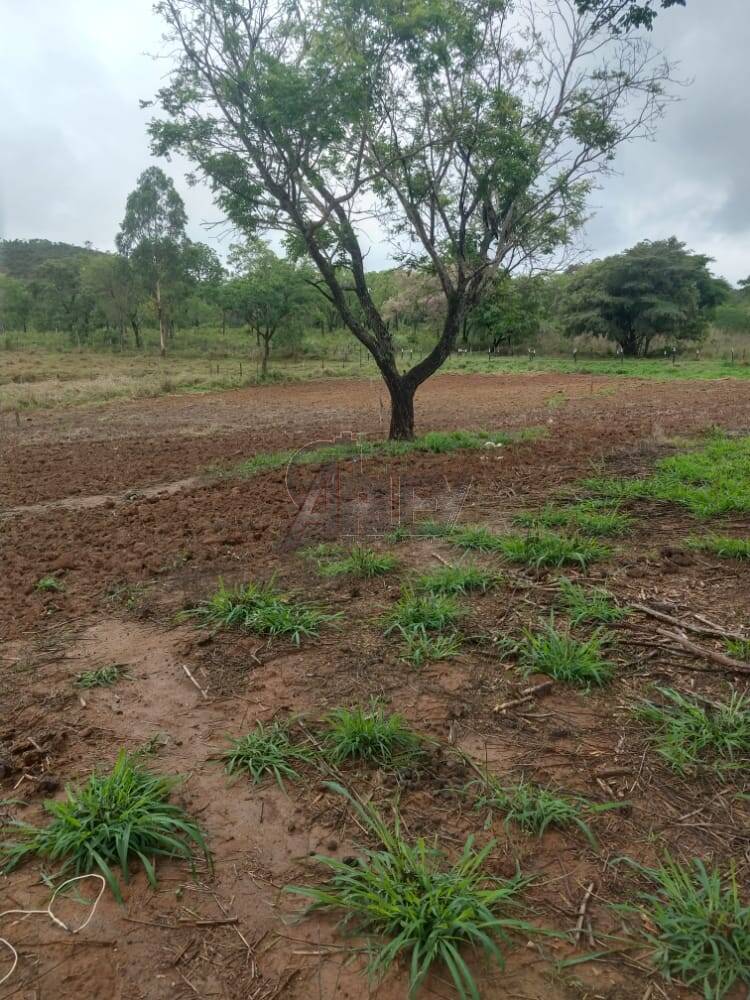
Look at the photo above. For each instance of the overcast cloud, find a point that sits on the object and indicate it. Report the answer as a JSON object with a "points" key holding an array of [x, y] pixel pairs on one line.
{"points": [[73, 138]]}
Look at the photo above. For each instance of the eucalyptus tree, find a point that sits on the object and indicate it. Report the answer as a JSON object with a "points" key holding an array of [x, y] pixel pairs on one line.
{"points": [[152, 237], [622, 15], [470, 130]]}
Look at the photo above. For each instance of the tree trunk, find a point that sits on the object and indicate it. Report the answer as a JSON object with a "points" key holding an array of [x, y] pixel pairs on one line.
{"points": [[162, 323], [136, 333], [264, 359], [402, 410]]}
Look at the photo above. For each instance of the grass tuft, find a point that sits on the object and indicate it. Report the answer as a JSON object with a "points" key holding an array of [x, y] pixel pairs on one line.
{"points": [[411, 902], [594, 604], [587, 518], [549, 549], [111, 820], [566, 659], [262, 609], [454, 580], [689, 735], [370, 736], [738, 648], [697, 926], [103, 677], [419, 648], [361, 562], [722, 546], [421, 613], [49, 584], [535, 808], [267, 751]]}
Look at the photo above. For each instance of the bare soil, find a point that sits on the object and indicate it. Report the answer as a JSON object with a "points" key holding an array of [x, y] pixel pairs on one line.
{"points": [[122, 503]]}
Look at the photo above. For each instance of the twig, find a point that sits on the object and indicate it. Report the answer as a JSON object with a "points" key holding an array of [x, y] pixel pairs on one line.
{"points": [[204, 693], [526, 695], [698, 629], [706, 654], [582, 912]]}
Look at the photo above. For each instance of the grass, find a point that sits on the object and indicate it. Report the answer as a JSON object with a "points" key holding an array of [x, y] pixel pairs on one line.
{"points": [[738, 648], [370, 736], [698, 927], [49, 584], [688, 735], [454, 580], [535, 809], [267, 751], [262, 609], [586, 518], [422, 613], [434, 442], [537, 549], [103, 677], [111, 820], [565, 658], [411, 902], [419, 648], [362, 562], [594, 604], [720, 545], [708, 481]]}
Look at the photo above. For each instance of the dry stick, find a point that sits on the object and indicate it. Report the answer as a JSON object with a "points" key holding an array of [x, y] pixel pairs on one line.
{"points": [[526, 695], [204, 693], [698, 629], [706, 654], [582, 912]]}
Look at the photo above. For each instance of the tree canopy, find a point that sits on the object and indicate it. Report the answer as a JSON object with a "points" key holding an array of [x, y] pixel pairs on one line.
{"points": [[625, 15], [654, 289], [472, 132]]}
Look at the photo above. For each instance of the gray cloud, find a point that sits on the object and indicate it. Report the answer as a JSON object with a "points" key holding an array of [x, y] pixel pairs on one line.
{"points": [[73, 138]]}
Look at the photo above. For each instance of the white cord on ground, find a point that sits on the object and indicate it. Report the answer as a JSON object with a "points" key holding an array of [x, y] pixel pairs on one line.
{"points": [[56, 920]]}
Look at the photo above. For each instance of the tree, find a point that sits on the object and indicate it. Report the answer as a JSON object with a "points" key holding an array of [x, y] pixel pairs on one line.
{"points": [[15, 304], [60, 301], [624, 15], [509, 313], [152, 237], [472, 131], [267, 292], [654, 289], [112, 282]]}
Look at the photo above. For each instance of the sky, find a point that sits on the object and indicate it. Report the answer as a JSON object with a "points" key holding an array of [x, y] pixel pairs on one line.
{"points": [[73, 137]]}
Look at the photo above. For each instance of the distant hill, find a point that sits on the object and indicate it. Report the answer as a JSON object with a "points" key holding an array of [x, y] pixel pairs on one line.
{"points": [[21, 258]]}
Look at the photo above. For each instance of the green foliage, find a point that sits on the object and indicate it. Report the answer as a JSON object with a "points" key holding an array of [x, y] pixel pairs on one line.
{"points": [[419, 648], [510, 312], [708, 481], [654, 289], [266, 751], [624, 15], [689, 735], [738, 648], [49, 584], [535, 808], [111, 820], [362, 562], [412, 903], [593, 604], [103, 677], [454, 580], [435, 442], [370, 736], [587, 518], [722, 546], [260, 608], [422, 613], [543, 549], [701, 927], [566, 659]]}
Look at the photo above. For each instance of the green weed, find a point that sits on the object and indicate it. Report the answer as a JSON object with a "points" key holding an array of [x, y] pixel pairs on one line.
{"points": [[103, 677], [549, 549], [720, 545], [267, 751], [738, 648], [687, 734], [701, 927], [587, 518], [422, 613], [113, 819], [361, 562], [419, 648], [49, 584], [593, 604], [370, 736], [411, 902], [262, 609], [566, 659], [455, 580]]}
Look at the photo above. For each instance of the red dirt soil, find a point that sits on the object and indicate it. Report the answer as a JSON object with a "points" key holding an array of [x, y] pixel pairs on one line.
{"points": [[129, 560]]}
